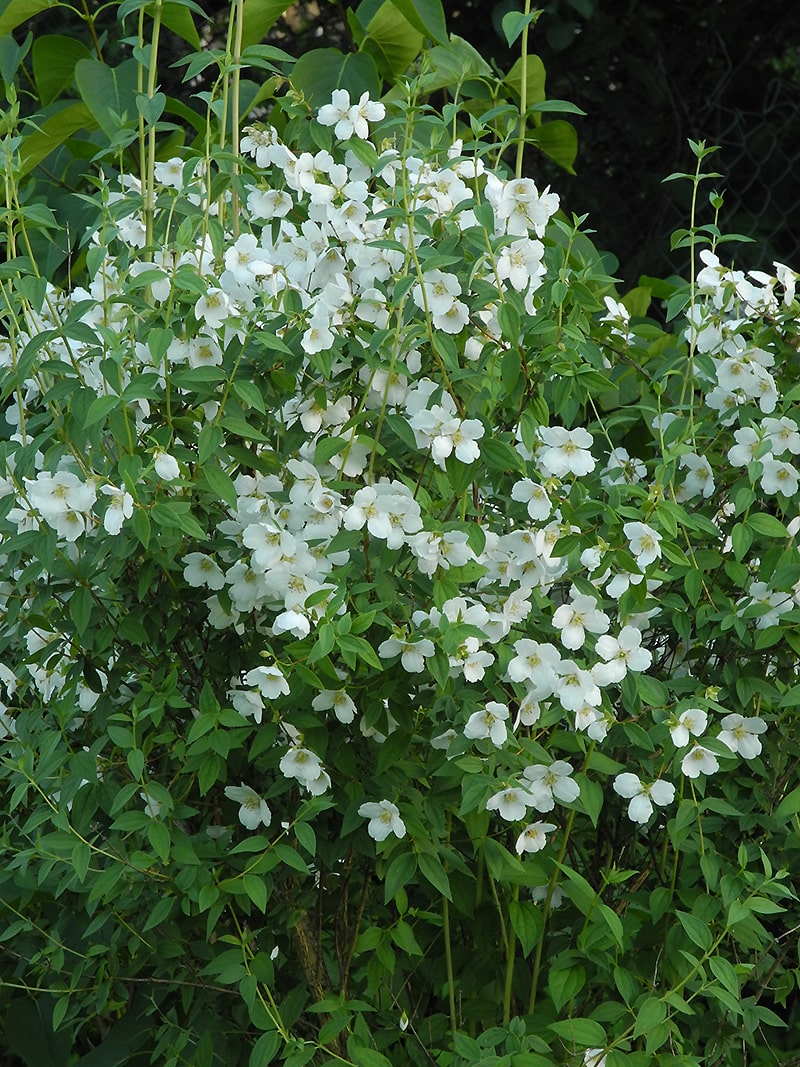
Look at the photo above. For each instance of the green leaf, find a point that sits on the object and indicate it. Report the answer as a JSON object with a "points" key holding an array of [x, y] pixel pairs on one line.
{"points": [[361, 648], [51, 133], [579, 891], [367, 1057], [14, 12], [498, 455], [135, 761], [392, 37], [564, 983], [514, 22], [697, 930], [80, 609], [81, 855], [140, 524], [581, 1032], [174, 514], [109, 93], [266, 1048], [150, 108], [208, 441], [221, 484], [177, 17], [54, 58], [256, 890], [398, 874], [99, 408], [431, 867], [558, 140], [260, 16], [159, 837], [789, 806], [250, 394], [652, 1012], [242, 428], [454, 63], [527, 922], [563, 106], [766, 525], [426, 16], [317, 73], [725, 972]]}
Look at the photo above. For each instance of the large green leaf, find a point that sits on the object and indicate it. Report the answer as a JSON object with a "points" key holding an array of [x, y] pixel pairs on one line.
{"points": [[14, 12], [260, 16], [109, 93], [396, 42], [453, 64], [426, 16], [318, 73], [54, 61], [558, 140], [59, 127], [177, 18], [536, 75], [11, 57]]}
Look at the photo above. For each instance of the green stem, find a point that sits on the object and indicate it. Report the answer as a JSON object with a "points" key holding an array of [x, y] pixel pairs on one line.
{"points": [[537, 962], [151, 133], [523, 94], [448, 955], [237, 58], [510, 954]]}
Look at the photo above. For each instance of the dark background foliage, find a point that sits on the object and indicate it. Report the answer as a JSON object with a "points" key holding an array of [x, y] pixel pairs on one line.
{"points": [[649, 74]]}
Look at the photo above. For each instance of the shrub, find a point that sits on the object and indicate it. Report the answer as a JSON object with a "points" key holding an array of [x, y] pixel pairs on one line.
{"points": [[399, 644]]}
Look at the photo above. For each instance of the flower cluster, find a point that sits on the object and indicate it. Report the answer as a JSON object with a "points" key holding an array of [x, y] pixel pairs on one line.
{"points": [[337, 512]]}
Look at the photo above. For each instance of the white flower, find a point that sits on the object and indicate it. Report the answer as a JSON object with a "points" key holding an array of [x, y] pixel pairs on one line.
{"points": [[565, 452], [247, 703], [578, 616], [741, 735], [779, 477], [413, 653], [699, 760], [253, 810], [166, 465], [120, 507], [151, 805], [643, 541], [269, 681], [692, 721], [575, 686], [534, 837], [350, 120], [302, 764], [438, 289], [621, 654], [783, 435], [170, 172], [213, 308], [548, 784], [201, 569], [529, 492], [535, 664], [510, 804], [318, 337], [491, 723], [699, 480], [642, 797], [384, 819], [293, 622], [593, 1057], [338, 701]]}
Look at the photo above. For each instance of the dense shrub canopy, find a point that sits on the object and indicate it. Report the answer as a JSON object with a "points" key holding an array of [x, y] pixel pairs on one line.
{"points": [[384, 593]]}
